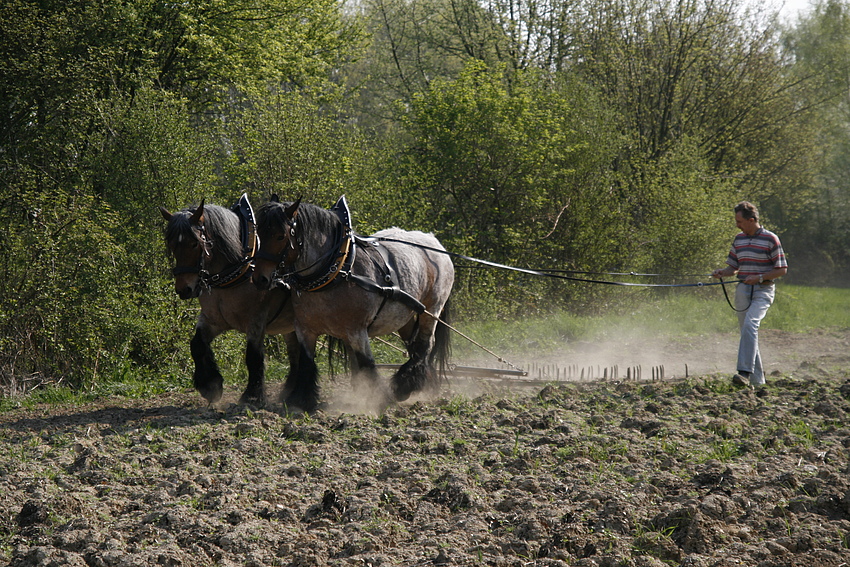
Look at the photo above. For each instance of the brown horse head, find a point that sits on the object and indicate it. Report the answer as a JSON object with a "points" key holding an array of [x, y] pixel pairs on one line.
{"points": [[187, 241], [279, 246]]}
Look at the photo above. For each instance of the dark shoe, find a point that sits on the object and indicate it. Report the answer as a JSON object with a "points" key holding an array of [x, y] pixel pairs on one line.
{"points": [[740, 381]]}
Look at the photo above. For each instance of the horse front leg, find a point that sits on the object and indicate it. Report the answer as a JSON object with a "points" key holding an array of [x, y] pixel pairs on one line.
{"points": [[207, 378], [255, 360], [302, 385]]}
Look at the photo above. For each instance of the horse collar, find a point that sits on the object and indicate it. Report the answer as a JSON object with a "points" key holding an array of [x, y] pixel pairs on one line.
{"points": [[340, 258], [241, 271], [341, 210], [248, 226]]}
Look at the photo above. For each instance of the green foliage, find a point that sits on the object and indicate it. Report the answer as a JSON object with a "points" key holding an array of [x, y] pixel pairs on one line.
{"points": [[675, 199], [110, 110], [508, 168], [601, 136], [61, 308], [820, 224], [290, 145]]}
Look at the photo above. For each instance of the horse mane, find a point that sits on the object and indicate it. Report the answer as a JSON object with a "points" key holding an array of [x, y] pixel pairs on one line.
{"points": [[312, 219], [270, 214], [315, 221], [221, 226]]}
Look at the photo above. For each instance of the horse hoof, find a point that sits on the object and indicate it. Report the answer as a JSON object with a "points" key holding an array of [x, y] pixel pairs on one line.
{"points": [[256, 400], [401, 394], [211, 394], [304, 404]]}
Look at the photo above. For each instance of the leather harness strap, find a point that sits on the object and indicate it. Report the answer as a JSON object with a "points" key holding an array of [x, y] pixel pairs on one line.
{"points": [[341, 264], [346, 250], [240, 272], [391, 291]]}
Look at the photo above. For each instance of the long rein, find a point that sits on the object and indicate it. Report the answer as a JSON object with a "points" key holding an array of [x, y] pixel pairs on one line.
{"points": [[561, 274]]}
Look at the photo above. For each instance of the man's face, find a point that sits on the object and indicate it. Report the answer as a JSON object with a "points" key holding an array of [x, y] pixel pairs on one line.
{"points": [[747, 226]]}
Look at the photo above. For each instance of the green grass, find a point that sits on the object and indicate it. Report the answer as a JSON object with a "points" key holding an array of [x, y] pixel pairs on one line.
{"points": [[664, 312], [129, 385], [798, 308], [672, 312]]}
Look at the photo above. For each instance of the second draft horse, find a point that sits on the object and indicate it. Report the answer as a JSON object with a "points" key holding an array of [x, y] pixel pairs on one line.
{"points": [[353, 288]]}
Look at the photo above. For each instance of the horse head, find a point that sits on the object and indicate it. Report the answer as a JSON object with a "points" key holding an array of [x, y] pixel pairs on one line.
{"points": [[279, 243], [188, 243]]}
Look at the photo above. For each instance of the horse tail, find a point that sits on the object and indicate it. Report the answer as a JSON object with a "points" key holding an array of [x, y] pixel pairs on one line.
{"points": [[442, 341], [336, 351]]}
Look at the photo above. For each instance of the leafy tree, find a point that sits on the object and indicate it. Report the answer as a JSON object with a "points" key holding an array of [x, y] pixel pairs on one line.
{"points": [[514, 171], [106, 111], [61, 314], [291, 145], [819, 227], [693, 69]]}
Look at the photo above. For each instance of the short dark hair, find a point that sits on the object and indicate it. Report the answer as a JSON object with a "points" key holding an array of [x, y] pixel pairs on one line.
{"points": [[747, 210]]}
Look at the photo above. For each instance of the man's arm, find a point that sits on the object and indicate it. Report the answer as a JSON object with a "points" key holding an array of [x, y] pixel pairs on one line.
{"points": [[771, 275], [724, 272]]}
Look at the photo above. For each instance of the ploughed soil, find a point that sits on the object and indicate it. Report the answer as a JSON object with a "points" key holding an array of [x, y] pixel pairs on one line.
{"points": [[683, 471]]}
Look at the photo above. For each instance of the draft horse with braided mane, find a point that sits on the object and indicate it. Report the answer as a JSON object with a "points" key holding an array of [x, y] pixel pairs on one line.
{"points": [[352, 287], [213, 248]]}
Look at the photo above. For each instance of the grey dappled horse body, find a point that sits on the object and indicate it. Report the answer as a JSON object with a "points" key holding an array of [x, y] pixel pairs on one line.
{"points": [[348, 288], [213, 264]]}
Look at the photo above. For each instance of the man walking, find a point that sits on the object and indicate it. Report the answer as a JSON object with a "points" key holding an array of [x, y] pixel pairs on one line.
{"points": [[758, 259]]}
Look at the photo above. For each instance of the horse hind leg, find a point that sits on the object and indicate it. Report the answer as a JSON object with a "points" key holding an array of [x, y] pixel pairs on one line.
{"points": [[429, 346], [207, 378], [417, 373]]}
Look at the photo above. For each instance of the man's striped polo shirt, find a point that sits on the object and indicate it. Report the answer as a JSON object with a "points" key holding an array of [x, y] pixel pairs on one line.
{"points": [[756, 254]]}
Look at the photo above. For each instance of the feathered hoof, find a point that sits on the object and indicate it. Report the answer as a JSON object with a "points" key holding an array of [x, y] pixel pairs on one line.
{"points": [[402, 392], [256, 399], [211, 392], [308, 404], [412, 377]]}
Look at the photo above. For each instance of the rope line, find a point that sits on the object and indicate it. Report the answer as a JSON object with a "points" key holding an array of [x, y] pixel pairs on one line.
{"points": [[552, 274], [389, 344], [479, 345], [729, 301], [588, 273]]}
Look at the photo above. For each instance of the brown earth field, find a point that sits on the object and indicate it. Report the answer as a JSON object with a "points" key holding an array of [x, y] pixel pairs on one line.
{"points": [[685, 471]]}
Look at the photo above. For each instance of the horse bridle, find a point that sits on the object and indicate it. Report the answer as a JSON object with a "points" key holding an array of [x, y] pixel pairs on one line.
{"points": [[231, 275], [285, 259], [200, 269]]}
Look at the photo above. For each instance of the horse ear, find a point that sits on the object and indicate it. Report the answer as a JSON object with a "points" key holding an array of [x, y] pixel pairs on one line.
{"points": [[165, 214], [292, 210], [274, 198], [198, 215]]}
